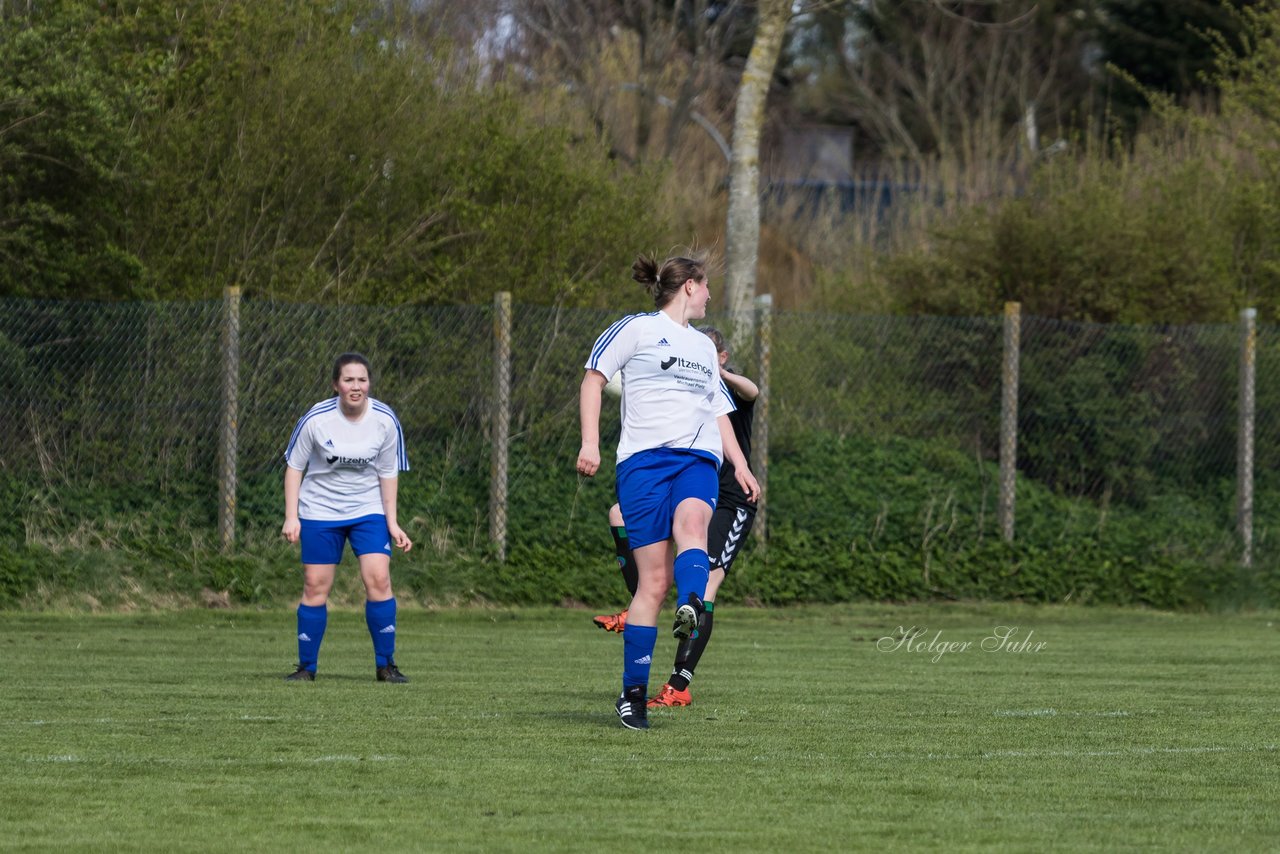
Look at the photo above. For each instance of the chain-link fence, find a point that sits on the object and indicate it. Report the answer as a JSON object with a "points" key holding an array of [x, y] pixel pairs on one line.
{"points": [[878, 429]]}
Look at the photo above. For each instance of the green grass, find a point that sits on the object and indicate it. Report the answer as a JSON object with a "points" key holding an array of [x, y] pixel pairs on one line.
{"points": [[174, 731]]}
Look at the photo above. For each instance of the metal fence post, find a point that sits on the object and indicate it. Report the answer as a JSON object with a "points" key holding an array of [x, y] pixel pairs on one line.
{"points": [[1244, 441], [760, 429], [228, 440], [501, 424], [1009, 418]]}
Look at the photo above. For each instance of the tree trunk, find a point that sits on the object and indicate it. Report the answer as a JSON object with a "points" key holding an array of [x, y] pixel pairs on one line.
{"points": [[742, 231]]}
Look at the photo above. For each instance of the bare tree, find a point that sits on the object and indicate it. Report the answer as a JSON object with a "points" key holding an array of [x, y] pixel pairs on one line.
{"points": [[742, 228], [967, 83], [645, 69]]}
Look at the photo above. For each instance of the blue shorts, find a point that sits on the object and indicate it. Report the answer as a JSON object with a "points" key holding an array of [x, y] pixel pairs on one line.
{"points": [[652, 483], [322, 540]]}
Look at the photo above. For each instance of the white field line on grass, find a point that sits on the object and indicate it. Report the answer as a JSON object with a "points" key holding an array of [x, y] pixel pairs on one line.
{"points": [[1076, 754], [1129, 751], [1053, 713], [169, 719], [179, 761], [1000, 713], [788, 758]]}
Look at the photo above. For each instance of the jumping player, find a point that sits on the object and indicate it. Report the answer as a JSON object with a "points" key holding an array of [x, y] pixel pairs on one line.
{"points": [[340, 486], [675, 433], [731, 522]]}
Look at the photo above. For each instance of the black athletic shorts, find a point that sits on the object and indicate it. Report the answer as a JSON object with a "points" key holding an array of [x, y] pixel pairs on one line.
{"points": [[727, 533]]}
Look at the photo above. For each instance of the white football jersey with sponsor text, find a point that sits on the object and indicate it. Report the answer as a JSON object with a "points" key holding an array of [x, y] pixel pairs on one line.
{"points": [[671, 387], [343, 459]]}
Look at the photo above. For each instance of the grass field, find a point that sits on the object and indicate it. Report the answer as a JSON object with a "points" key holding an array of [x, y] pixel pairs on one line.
{"points": [[1125, 730]]}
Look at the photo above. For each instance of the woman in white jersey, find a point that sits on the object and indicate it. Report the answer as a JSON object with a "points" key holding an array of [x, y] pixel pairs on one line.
{"points": [[340, 486], [731, 523], [675, 434]]}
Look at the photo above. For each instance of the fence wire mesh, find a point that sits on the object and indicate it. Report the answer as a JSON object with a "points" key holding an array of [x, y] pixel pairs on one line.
{"points": [[1107, 415], [888, 376]]}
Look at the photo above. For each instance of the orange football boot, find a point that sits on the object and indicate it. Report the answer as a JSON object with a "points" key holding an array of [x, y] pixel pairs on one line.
{"points": [[612, 622], [669, 696]]}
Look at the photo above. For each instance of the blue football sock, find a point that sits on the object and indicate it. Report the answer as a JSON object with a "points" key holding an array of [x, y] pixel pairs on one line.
{"points": [[312, 620], [380, 617], [637, 654], [691, 570]]}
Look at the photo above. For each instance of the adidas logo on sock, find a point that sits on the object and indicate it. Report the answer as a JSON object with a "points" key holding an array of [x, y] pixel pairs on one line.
{"points": [[389, 630], [303, 637], [646, 660]]}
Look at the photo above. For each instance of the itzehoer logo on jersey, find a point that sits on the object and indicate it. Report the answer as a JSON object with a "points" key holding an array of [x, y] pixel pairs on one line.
{"points": [[684, 363], [348, 462]]}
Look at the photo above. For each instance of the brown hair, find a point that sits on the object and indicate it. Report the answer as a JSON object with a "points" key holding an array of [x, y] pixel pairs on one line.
{"points": [[351, 359], [717, 338], [662, 281], [722, 346]]}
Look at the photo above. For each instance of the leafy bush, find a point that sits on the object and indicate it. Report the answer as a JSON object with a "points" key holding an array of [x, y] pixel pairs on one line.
{"points": [[909, 520], [317, 151], [66, 160], [917, 519], [1107, 237]]}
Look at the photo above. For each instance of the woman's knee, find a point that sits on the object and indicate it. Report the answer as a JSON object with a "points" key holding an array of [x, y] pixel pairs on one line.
{"points": [[653, 587], [691, 528], [714, 579], [317, 581], [376, 575]]}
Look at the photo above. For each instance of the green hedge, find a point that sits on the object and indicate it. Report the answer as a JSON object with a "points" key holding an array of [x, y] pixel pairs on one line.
{"points": [[849, 518]]}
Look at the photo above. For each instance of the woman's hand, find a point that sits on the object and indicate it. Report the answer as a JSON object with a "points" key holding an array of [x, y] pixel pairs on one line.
{"points": [[588, 459], [400, 538], [748, 483]]}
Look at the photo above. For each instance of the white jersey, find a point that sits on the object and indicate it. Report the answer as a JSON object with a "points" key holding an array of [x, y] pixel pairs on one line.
{"points": [[671, 387], [343, 460]]}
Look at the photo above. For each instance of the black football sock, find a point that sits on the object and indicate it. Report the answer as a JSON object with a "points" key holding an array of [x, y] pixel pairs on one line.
{"points": [[690, 651], [626, 560]]}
